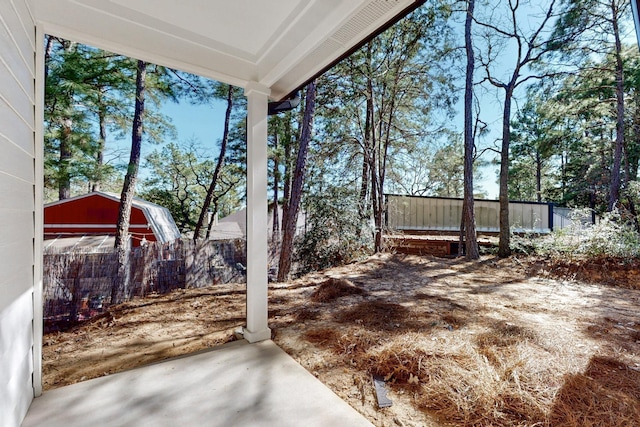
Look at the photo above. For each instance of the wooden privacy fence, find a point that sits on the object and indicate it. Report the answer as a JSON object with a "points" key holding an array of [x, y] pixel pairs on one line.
{"points": [[78, 284]]}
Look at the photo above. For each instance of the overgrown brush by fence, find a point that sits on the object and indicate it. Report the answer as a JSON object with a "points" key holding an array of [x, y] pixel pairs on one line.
{"points": [[614, 235], [78, 284]]}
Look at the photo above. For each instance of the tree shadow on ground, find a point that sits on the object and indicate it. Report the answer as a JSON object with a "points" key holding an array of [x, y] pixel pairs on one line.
{"points": [[409, 298], [607, 393]]}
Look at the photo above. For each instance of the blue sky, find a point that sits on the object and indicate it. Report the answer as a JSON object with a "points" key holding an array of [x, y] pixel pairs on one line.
{"points": [[204, 124], [201, 122]]}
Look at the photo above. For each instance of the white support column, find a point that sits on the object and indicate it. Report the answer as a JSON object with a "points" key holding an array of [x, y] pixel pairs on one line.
{"points": [[257, 224], [38, 221]]}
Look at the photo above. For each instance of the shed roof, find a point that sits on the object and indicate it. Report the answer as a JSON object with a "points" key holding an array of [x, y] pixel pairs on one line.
{"points": [[158, 217], [87, 243], [234, 226], [280, 44]]}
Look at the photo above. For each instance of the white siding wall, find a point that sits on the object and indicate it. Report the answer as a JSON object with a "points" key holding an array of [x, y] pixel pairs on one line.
{"points": [[17, 209]]}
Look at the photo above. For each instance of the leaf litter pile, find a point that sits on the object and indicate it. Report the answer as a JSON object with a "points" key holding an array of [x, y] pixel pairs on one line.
{"points": [[501, 342]]}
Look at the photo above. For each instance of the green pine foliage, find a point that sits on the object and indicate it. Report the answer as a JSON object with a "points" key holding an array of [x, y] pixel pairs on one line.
{"points": [[335, 234]]}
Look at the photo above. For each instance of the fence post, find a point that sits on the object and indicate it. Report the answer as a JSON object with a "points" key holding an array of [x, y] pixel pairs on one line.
{"points": [[74, 268]]}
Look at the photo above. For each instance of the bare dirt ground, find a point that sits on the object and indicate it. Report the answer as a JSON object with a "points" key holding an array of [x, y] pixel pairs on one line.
{"points": [[493, 342]]}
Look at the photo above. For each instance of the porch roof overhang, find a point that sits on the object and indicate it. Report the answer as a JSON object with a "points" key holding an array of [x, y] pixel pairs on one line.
{"points": [[269, 48], [280, 45]]}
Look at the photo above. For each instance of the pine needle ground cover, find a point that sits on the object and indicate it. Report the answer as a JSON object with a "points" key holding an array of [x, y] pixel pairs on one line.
{"points": [[501, 342]]}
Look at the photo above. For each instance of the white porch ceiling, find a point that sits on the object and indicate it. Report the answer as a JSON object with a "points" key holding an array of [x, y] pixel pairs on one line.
{"points": [[279, 44]]}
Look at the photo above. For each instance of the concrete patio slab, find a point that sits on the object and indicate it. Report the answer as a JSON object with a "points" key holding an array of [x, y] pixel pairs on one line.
{"points": [[237, 384]]}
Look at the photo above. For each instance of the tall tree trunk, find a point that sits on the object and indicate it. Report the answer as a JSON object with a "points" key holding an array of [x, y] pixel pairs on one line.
{"points": [[371, 145], [216, 173], [276, 182], [563, 176], [286, 190], [64, 182], [47, 55], [373, 168], [538, 177], [468, 215], [377, 199], [632, 147], [529, 49], [120, 287], [363, 208], [102, 127], [363, 199], [614, 193], [367, 186], [504, 244], [380, 206], [64, 174], [286, 251]]}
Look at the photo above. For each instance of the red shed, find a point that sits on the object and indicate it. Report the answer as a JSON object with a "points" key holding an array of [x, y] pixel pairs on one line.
{"points": [[97, 214]]}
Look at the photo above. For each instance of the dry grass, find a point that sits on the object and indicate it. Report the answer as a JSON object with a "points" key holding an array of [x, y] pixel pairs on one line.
{"points": [[466, 360], [606, 394], [333, 288], [486, 343], [376, 315], [456, 384]]}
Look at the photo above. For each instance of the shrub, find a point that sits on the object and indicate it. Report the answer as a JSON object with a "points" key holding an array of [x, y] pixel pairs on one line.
{"points": [[335, 235], [611, 236]]}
